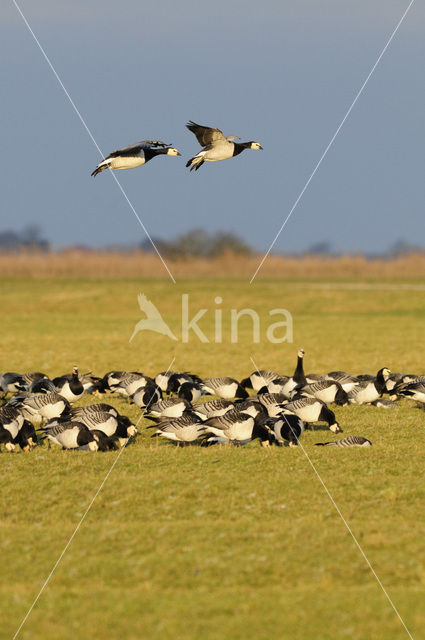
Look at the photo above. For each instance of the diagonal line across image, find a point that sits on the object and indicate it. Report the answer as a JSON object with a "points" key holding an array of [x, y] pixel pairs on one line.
{"points": [[332, 140], [83, 122]]}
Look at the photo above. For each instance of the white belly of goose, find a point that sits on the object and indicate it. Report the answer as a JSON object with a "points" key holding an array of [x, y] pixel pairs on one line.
{"points": [[124, 162]]}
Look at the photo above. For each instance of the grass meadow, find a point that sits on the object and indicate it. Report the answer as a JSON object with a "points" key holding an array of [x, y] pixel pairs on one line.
{"points": [[219, 543]]}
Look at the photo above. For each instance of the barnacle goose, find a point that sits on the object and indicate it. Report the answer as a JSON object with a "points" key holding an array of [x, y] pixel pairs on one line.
{"points": [[325, 390], [145, 396], [176, 380], [187, 428], [312, 410], [70, 435], [40, 406], [346, 381], [100, 407], [128, 383], [384, 403], [216, 146], [350, 441], [135, 155], [259, 379], [69, 386], [112, 426], [239, 428], [226, 388], [26, 437], [168, 408], [414, 391], [11, 382], [212, 408], [298, 378], [6, 439], [190, 391], [11, 419], [369, 390], [286, 428]]}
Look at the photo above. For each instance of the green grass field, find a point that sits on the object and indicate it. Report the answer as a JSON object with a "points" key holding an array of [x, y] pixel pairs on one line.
{"points": [[217, 543]]}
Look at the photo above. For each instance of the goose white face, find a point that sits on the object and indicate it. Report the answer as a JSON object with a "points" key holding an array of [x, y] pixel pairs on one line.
{"points": [[301, 353], [386, 373], [256, 145], [173, 152]]}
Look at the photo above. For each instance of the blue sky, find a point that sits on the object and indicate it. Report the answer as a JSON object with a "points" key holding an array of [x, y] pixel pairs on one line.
{"points": [[283, 73]]}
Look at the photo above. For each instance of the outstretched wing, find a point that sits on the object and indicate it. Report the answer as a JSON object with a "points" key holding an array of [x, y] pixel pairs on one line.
{"points": [[135, 149], [148, 307], [205, 135]]}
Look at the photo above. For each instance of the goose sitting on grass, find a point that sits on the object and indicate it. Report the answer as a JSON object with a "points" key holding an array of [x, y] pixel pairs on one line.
{"points": [[216, 146]]}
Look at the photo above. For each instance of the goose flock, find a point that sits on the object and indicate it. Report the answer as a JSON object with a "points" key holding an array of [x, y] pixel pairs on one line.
{"points": [[184, 408], [216, 147]]}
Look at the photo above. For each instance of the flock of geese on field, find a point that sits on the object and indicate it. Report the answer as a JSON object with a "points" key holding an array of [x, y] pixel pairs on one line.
{"points": [[36, 407], [215, 147]]}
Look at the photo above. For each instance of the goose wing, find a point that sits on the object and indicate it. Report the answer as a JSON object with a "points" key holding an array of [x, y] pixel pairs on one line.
{"points": [[205, 135], [135, 149]]}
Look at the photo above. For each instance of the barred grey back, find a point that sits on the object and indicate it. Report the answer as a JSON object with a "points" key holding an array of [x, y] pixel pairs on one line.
{"points": [[349, 441]]}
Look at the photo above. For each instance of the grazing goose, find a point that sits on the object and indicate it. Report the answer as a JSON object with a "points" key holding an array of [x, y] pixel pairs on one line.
{"points": [[41, 406], [190, 391], [70, 435], [216, 146], [27, 437], [42, 385], [252, 407], [145, 396], [287, 428], [312, 410], [346, 381], [177, 379], [11, 419], [325, 390], [187, 428], [135, 155], [238, 428], [130, 383], [272, 402], [226, 388], [112, 426], [69, 386], [168, 408], [101, 407], [212, 408], [259, 379], [11, 382], [350, 441], [414, 391], [6, 439], [370, 389]]}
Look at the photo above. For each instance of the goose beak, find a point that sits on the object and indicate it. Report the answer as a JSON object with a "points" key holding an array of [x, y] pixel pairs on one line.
{"points": [[260, 147], [178, 153]]}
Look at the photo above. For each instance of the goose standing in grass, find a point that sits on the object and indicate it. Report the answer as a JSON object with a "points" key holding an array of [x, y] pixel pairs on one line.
{"points": [[312, 410], [135, 155], [299, 376], [112, 426], [145, 396], [41, 406], [226, 388], [350, 441], [370, 389], [69, 386], [168, 408], [215, 145]]}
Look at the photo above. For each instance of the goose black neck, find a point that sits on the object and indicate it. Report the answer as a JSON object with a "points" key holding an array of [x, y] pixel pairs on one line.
{"points": [[299, 376], [240, 146], [151, 153], [380, 385]]}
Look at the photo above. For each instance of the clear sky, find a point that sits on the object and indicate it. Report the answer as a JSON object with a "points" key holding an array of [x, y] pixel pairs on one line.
{"points": [[283, 73]]}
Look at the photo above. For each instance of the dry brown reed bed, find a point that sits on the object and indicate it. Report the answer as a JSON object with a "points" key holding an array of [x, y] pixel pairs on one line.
{"points": [[77, 263]]}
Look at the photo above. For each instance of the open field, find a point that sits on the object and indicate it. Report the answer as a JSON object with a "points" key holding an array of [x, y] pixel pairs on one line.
{"points": [[217, 543]]}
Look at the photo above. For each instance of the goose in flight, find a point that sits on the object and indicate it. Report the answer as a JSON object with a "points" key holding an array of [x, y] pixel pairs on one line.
{"points": [[216, 146], [135, 155]]}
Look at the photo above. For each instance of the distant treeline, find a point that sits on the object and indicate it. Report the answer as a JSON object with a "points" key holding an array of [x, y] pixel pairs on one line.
{"points": [[196, 243]]}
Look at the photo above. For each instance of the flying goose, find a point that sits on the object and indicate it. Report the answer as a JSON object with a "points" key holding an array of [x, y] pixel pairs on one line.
{"points": [[226, 388], [350, 441], [135, 155], [312, 410], [370, 389], [216, 146]]}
